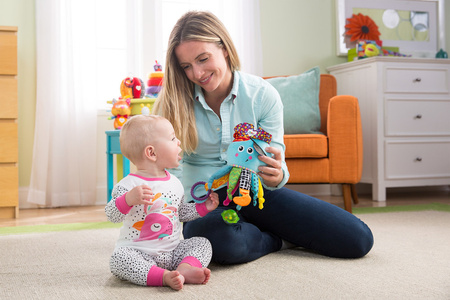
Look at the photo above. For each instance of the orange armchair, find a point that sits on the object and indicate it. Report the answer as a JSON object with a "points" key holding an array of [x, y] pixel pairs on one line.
{"points": [[336, 156]]}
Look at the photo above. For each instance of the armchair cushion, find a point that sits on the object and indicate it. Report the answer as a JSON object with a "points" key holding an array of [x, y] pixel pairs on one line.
{"points": [[306, 146], [300, 97]]}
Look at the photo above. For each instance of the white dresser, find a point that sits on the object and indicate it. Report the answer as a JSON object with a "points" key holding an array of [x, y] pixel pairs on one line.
{"points": [[405, 113]]}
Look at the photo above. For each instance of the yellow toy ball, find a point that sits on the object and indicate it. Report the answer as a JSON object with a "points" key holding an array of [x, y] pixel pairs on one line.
{"points": [[371, 50]]}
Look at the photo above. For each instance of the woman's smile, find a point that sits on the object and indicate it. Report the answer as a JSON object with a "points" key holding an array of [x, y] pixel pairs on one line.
{"points": [[206, 80]]}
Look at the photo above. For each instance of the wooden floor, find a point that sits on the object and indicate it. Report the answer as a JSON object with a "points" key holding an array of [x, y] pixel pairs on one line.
{"points": [[97, 213]]}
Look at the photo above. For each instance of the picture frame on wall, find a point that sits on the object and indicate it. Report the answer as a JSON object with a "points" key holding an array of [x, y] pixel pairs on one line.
{"points": [[416, 27]]}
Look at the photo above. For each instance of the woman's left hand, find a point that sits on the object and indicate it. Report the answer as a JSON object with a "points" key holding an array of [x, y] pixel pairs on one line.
{"points": [[272, 174]]}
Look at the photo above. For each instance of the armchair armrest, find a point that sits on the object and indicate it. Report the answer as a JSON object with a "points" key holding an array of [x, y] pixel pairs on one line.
{"points": [[345, 139]]}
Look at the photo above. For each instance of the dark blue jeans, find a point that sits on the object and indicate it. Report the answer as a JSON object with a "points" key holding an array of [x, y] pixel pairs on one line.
{"points": [[289, 215]]}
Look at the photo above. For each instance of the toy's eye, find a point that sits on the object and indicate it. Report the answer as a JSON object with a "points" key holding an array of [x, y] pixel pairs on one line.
{"points": [[250, 150], [241, 148]]}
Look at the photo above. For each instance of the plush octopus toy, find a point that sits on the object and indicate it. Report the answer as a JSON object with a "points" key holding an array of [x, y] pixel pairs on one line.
{"points": [[241, 169]]}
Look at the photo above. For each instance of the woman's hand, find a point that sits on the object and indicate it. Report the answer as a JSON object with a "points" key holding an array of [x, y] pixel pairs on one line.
{"points": [[212, 202], [272, 174]]}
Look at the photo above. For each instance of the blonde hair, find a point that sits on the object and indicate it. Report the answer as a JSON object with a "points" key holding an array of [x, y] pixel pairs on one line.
{"points": [[175, 102], [136, 134]]}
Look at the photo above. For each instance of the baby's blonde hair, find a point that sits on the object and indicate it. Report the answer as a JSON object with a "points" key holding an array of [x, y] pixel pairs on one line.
{"points": [[136, 134]]}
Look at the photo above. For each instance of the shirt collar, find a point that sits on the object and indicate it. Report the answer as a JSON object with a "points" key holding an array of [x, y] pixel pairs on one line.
{"points": [[198, 93]]}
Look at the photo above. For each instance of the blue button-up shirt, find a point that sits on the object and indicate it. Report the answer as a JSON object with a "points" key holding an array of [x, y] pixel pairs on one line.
{"points": [[251, 100]]}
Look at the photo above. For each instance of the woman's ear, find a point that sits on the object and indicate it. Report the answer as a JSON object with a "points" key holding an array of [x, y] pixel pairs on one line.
{"points": [[225, 52], [150, 152]]}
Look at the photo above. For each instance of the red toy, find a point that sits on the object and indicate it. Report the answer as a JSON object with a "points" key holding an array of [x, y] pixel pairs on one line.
{"points": [[132, 87]]}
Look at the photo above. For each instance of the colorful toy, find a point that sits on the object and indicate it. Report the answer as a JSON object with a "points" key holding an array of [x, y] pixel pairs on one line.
{"points": [[132, 87], [145, 109], [371, 50], [230, 216], [368, 48], [154, 83], [121, 110], [241, 169]]}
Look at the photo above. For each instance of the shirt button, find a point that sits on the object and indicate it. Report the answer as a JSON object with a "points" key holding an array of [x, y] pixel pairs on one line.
{"points": [[218, 129]]}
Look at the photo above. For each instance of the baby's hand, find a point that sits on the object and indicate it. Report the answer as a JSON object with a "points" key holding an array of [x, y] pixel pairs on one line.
{"points": [[212, 202], [141, 194]]}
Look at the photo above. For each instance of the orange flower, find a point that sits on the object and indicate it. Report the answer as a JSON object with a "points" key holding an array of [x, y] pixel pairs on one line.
{"points": [[361, 27]]}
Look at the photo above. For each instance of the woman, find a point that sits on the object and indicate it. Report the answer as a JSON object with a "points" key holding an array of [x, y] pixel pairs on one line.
{"points": [[205, 96]]}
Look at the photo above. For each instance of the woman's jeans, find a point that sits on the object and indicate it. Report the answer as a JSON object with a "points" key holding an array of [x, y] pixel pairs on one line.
{"points": [[289, 215]]}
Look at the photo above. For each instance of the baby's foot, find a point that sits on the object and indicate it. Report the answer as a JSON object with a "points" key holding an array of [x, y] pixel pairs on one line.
{"points": [[193, 274], [173, 279]]}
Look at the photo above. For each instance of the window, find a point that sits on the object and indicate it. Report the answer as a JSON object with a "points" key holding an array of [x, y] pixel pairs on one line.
{"points": [[131, 34]]}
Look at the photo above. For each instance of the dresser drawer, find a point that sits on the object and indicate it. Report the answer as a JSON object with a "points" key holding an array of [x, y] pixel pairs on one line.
{"points": [[420, 80], [417, 117], [8, 97], [8, 142], [416, 159], [8, 50], [9, 185]]}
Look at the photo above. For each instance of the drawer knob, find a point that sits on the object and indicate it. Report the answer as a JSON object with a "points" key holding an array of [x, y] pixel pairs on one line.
{"points": [[419, 116], [419, 159], [417, 80]]}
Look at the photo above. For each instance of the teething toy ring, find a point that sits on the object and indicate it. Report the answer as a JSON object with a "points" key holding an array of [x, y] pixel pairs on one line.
{"points": [[199, 199]]}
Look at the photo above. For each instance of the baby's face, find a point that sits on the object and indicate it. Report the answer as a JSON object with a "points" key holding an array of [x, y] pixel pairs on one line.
{"points": [[167, 146]]}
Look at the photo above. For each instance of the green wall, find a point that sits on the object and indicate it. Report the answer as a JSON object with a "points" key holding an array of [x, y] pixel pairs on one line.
{"points": [[296, 35]]}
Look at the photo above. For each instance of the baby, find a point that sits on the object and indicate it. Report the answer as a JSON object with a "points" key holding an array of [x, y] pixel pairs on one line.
{"points": [[151, 205]]}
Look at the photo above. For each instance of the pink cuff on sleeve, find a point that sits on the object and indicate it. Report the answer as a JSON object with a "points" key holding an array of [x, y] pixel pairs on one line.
{"points": [[190, 260], [201, 209], [122, 205], [155, 276]]}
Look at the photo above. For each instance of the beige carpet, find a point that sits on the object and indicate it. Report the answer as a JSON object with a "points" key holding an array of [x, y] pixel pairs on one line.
{"points": [[410, 260]]}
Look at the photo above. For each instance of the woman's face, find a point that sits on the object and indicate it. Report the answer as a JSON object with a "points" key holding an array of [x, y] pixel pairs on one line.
{"points": [[205, 64]]}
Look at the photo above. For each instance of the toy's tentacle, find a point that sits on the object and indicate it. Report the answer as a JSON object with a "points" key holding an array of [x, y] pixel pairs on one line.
{"points": [[233, 180], [255, 188], [218, 174], [244, 198], [244, 189], [228, 200], [219, 182], [260, 195], [245, 181]]}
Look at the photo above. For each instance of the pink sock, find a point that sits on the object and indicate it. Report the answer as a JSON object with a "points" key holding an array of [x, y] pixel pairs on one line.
{"points": [[155, 276]]}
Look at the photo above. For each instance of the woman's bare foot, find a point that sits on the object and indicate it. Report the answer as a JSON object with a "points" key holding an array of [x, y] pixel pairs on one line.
{"points": [[193, 274], [173, 279]]}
